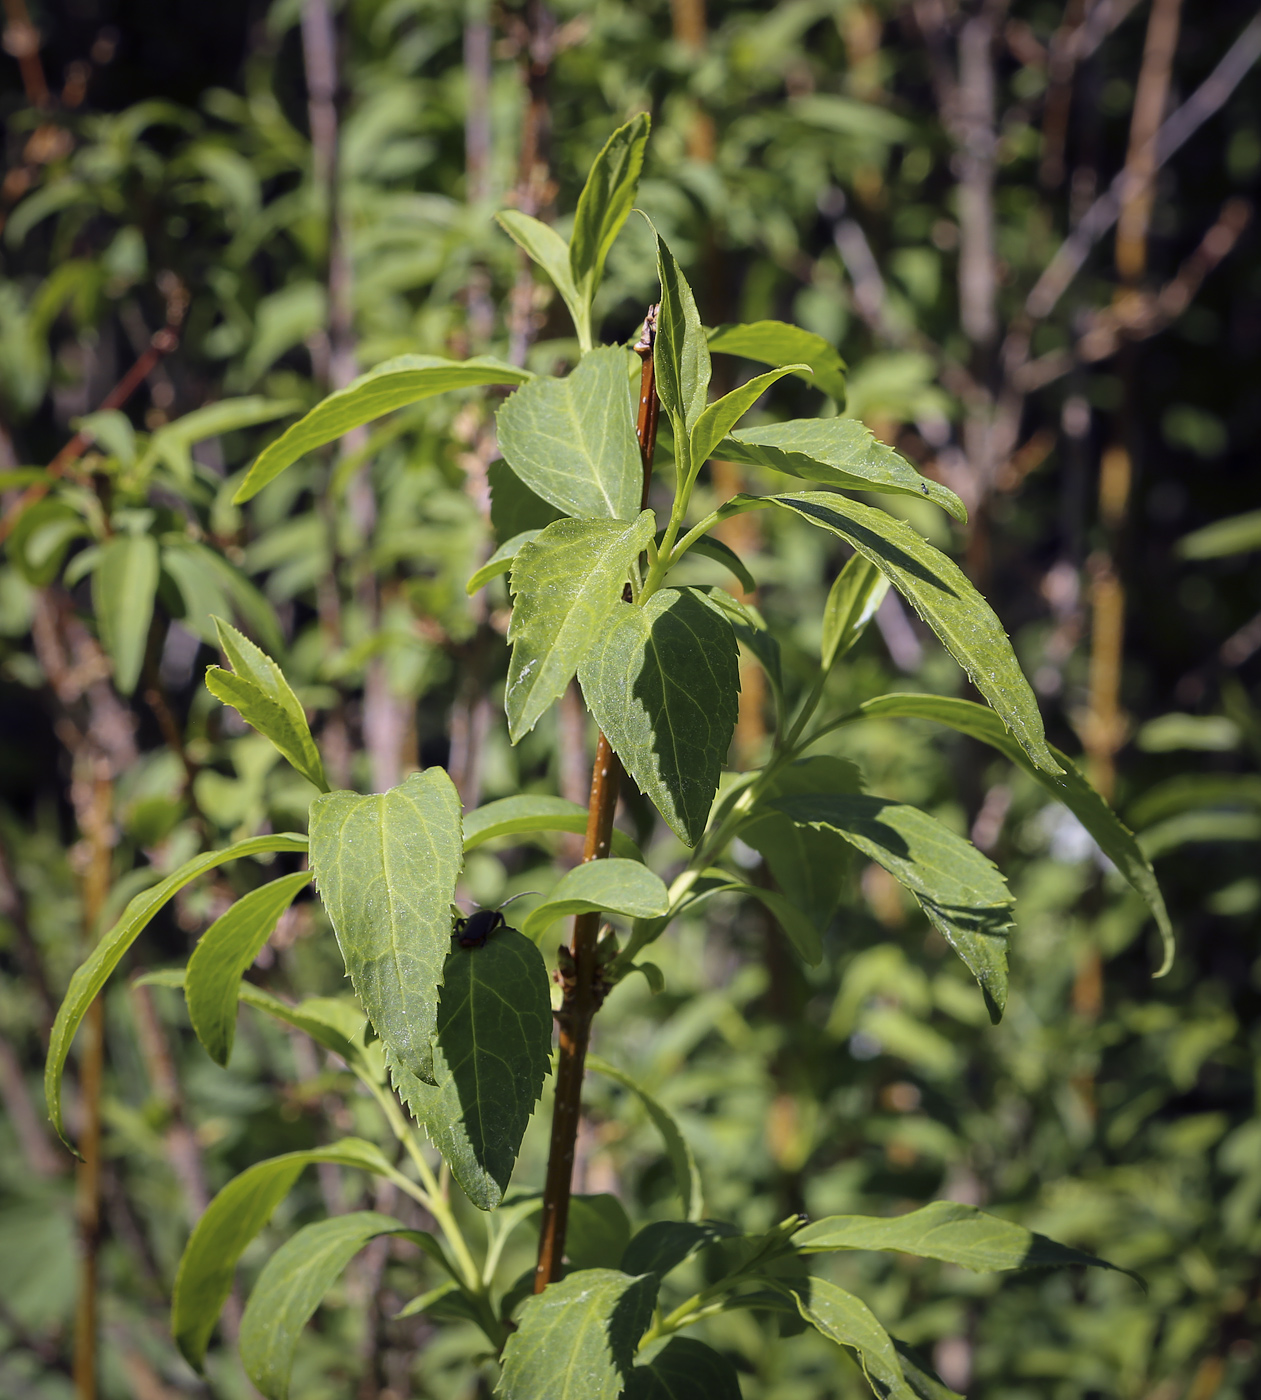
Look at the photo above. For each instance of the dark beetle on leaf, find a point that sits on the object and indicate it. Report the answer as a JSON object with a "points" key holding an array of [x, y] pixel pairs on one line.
{"points": [[473, 931]]}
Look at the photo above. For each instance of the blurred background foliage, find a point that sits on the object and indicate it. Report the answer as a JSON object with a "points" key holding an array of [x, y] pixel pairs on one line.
{"points": [[285, 193]]}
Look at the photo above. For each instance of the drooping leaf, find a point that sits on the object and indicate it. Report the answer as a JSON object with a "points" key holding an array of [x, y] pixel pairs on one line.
{"points": [[610, 886], [687, 1176], [684, 1369], [172, 442], [291, 1285], [837, 452], [499, 562], [777, 343], [565, 584], [1114, 839], [842, 1318], [662, 682], [204, 1278], [386, 866], [720, 417], [509, 816], [598, 1232], [576, 1340], [491, 1054], [852, 601], [962, 892], [680, 356], [514, 508], [943, 597], [945, 1230], [257, 689], [572, 440], [92, 975], [223, 953], [551, 252], [722, 554], [665, 1244], [394, 384], [124, 584]]}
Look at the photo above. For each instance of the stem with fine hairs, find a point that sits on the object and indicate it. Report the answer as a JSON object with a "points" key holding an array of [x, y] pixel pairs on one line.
{"points": [[583, 988]]}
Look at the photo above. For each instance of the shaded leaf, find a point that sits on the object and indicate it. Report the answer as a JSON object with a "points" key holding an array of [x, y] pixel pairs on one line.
{"points": [[565, 585], [778, 343], [223, 953], [662, 682], [751, 631], [394, 384], [499, 562], [41, 537], [723, 554], [572, 441], [684, 1369], [511, 816], [665, 1244], [386, 866], [842, 1318], [610, 886], [922, 1379], [124, 584], [598, 1232], [514, 508], [680, 356], [212, 586], [852, 602], [1237, 534], [92, 975]]}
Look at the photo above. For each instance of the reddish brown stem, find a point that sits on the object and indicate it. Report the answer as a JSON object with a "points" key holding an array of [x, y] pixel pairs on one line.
{"points": [[583, 989]]}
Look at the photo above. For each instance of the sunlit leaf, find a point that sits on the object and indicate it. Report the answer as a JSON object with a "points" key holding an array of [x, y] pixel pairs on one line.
{"points": [[778, 343], [684, 1369], [609, 886], [513, 816]]}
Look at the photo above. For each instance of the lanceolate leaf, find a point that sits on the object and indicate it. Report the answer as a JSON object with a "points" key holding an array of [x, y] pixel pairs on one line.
{"points": [[848, 1320], [802, 933], [386, 867], [719, 418], [722, 554], [945, 1230], [123, 587], [680, 355], [551, 252], [572, 440], [1114, 838], [491, 1054], [211, 586], [511, 816], [751, 631], [686, 1175], [963, 893], [612, 886], [576, 1340], [684, 1369], [105, 957], [204, 1278], [665, 1244], [777, 343], [1236, 534], [223, 953], [394, 384], [662, 682], [499, 562], [256, 687], [852, 602], [605, 203], [291, 1285], [565, 584], [838, 452], [943, 597]]}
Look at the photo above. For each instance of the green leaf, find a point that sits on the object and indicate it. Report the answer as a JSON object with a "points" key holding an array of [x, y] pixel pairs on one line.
{"points": [[777, 343], [1237, 534], [41, 537], [1115, 840], [598, 1232], [510, 816], [204, 1278], [1192, 827], [662, 682], [684, 1369], [945, 1230], [257, 689], [852, 601], [386, 866], [837, 452], [815, 865], [92, 975], [723, 554], [291, 1286], [665, 1244], [943, 597], [603, 207], [687, 1176], [751, 631], [576, 1340], [513, 506], [847, 1320], [223, 953], [123, 587], [566, 584], [801, 931], [211, 586], [572, 441], [680, 356], [607, 886], [490, 1055], [963, 894], [173, 441], [499, 562], [721, 416], [394, 384], [551, 252], [922, 1379]]}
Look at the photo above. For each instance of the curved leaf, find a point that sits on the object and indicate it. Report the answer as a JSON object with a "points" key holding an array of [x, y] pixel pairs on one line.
{"points": [[605, 202], [124, 584], [680, 355], [778, 343], [510, 816], [684, 1369], [720, 553], [499, 562], [847, 1320], [394, 384], [723, 414], [551, 252], [607, 886], [92, 975], [1236, 534], [386, 866], [224, 951], [1115, 840], [665, 1244], [852, 602]]}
